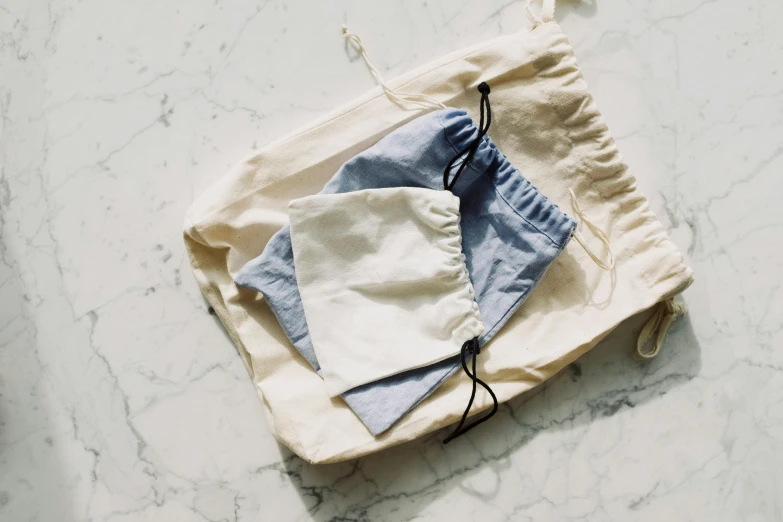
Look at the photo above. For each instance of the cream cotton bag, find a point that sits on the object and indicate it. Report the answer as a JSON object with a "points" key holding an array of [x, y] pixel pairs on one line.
{"points": [[548, 125], [383, 281]]}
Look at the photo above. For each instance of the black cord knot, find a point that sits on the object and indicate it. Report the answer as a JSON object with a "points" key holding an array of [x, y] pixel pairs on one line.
{"points": [[471, 348], [483, 88]]}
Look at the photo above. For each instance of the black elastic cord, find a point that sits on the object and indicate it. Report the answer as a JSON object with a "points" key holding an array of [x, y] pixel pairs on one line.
{"points": [[472, 348], [473, 147]]}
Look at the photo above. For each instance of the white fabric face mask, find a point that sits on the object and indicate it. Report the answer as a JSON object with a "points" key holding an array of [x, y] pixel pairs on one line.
{"points": [[383, 281]]}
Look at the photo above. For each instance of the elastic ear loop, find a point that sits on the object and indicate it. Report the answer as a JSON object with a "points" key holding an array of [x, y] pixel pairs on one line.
{"points": [[471, 149], [471, 347], [400, 98]]}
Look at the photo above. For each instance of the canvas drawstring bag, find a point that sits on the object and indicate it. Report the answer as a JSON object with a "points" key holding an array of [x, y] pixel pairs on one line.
{"points": [[547, 124]]}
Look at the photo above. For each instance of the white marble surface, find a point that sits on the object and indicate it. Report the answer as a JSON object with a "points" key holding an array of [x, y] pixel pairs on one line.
{"points": [[121, 398]]}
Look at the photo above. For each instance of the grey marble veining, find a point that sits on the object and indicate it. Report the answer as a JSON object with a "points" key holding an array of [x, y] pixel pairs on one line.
{"points": [[122, 399]]}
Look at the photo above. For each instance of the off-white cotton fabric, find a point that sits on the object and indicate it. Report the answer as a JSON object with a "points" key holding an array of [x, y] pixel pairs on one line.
{"points": [[383, 281], [548, 125]]}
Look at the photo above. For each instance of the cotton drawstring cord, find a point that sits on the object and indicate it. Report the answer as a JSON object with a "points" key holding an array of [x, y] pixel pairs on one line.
{"points": [[600, 234], [547, 12], [471, 149], [400, 98], [665, 314], [471, 347]]}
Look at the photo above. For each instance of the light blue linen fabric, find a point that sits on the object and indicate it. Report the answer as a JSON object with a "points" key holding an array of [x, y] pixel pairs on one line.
{"points": [[510, 235]]}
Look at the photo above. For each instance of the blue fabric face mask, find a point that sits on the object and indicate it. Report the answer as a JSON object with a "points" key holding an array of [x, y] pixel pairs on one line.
{"points": [[510, 235]]}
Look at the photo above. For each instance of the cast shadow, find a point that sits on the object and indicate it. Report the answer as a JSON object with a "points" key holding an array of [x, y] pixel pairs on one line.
{"points": [[606, 382]]}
